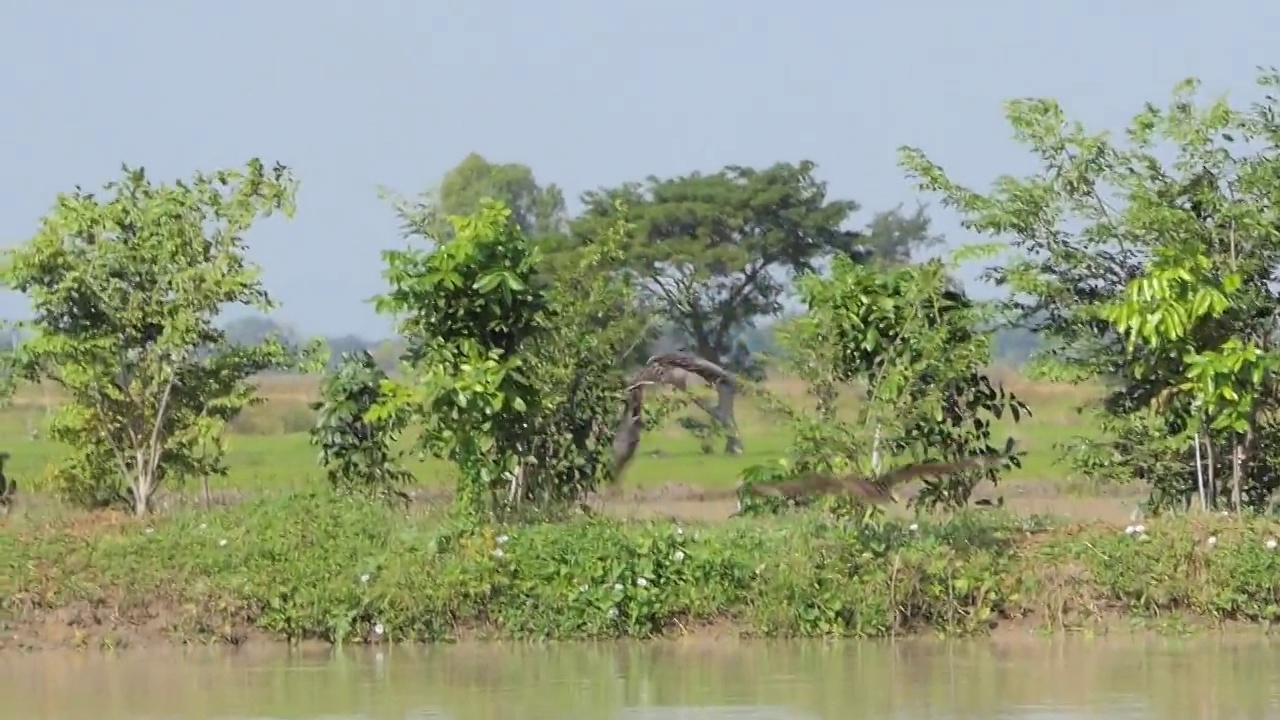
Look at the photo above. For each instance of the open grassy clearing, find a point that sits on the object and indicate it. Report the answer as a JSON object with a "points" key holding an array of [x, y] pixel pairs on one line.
{"points": [[270, 452]]}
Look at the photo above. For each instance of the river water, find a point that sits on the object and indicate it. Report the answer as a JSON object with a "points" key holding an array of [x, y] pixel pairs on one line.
{"points": [[1061, 679]]}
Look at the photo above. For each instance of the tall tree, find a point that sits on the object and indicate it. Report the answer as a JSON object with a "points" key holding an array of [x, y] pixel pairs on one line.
{"points": [[537, 210], [1148, 259], [714, 252]]}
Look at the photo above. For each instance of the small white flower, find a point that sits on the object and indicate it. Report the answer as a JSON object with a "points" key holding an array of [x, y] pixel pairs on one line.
{"points": [[679, 530], [502, 539], [222, 543], [1130, 530], [1213, 540], [642, 581], [1225, 513], [913, 527], [364, 579], [678, 555], [583, 588], [1139, 528], [498, 553], [613, 612], [1271, 543], [204, 526], [150, 530], [617, 587], [378, 629]]}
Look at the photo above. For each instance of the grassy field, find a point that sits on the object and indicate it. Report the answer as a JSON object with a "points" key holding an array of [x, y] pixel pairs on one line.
{"points": [[269, 448]]}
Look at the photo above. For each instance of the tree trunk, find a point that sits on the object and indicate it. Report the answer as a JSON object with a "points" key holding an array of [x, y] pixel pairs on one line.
{"points": [[1237, 472], [1212, 479], [1204, 494], [142, 497], [725, 396], [143, 481], [875, 452]]}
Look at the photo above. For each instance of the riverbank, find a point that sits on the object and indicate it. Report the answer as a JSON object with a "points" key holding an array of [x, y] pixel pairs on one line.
{"points": [[313, 568]]}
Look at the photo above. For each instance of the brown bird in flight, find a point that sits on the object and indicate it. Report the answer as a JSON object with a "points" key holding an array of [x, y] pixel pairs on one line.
{"points": [[875, 490], [672, 369]]}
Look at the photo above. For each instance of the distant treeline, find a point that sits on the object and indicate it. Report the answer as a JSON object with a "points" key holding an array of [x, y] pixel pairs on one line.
{"points": [[1012, 346]]}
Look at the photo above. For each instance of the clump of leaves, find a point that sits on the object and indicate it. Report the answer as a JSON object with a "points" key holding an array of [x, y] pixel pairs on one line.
{"points": [[125, 292], [357, 451]]}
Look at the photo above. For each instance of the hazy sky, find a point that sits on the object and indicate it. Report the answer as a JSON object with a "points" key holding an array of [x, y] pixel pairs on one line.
{"points": [[587, 92]]}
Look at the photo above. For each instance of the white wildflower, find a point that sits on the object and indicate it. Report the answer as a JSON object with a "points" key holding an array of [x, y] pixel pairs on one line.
{"points": [[678, 555], [364, 579], [1139, 528], [378, 629], [642, 581], [617, 587], [1213, 540], [150, 530], [503, 539], [1271, 543], [498, 553], [222, 542], [1130, 530], [913, 527], [613, 612]]}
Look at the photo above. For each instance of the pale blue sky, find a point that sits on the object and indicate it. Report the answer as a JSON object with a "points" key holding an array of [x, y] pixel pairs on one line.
{"points": [[589, 93]]}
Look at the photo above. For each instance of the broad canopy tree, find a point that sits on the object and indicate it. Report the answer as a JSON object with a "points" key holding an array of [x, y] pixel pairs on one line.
{"points": [[715, 252]]}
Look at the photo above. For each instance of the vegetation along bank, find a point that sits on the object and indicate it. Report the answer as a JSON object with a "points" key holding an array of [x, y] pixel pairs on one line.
{"points": [[325, 568]]}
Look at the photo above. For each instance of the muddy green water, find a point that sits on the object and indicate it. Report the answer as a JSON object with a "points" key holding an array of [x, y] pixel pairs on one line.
{"points": [[1168, 679]]}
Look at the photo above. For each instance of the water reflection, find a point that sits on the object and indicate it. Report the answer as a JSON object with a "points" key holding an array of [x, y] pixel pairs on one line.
{"points": [[1064, 679]]}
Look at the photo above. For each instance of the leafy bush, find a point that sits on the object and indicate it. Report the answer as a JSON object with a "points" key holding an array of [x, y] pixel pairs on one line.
{"points": [[356, 451], [913, 345]]}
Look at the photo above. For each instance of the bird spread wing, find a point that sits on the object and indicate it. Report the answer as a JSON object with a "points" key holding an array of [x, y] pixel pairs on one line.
{"points": [[658, 370]]}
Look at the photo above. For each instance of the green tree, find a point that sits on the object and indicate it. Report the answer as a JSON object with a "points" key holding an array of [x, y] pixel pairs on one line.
{"points": [[516, 380], [1154, 275], [910, 341], [713, 253], [125, 291], [536, 209]]}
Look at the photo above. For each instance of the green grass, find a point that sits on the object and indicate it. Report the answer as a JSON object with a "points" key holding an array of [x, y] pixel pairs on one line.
{"points": [[269, 447], [310, 566]]}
